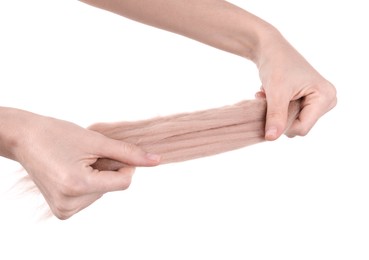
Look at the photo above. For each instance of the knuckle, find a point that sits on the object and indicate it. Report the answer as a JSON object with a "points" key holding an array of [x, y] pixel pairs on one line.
{"points": [[331, 95], [125, 182], [275, 114], [62, 209], [298, 130], [125, 185], [62, 215], [69, 190], [327, 93], [129, 148], [276, 117], [71, 187]]}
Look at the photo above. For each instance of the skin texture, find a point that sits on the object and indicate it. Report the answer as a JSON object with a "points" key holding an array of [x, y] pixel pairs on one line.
{"points": [[63, 172]]}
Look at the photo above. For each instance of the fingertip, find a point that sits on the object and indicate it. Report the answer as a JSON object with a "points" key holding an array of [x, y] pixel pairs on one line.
{"points": [[271, 133], [154, 159], [260, 95]]}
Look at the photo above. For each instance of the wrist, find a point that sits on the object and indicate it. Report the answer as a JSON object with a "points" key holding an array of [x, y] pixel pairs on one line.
{"points": [[255, 38], [269, 40], [14, 128]]}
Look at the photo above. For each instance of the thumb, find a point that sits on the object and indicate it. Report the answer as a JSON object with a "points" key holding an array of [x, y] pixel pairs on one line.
{"points": [[276, 117], [126, 153]]}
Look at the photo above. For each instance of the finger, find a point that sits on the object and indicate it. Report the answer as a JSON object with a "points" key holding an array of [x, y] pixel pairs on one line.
{"points": [[260, 95], [307, 118], [107, 181], [126, 153], [276, 118], [313, 107]]}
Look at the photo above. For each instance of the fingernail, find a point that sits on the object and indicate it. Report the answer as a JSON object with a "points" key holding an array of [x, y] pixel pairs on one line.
{"points": [[153, 157], [271, 133]]}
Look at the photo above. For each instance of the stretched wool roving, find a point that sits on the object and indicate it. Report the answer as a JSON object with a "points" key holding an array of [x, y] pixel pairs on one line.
{"points": [[193, 135]]}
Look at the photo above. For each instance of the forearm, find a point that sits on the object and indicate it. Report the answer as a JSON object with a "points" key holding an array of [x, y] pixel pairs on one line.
{"points": [[213, 22]]}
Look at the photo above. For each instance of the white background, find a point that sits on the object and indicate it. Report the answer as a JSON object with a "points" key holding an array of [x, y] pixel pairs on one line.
{"points": [[301, 198]]}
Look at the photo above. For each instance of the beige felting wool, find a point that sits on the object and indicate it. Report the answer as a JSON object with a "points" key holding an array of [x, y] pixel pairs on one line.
{"points": [[189, 136]]}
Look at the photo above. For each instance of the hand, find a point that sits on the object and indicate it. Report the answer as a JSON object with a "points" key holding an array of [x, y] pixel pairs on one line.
{"points": [[286, 76], [58, 156]]}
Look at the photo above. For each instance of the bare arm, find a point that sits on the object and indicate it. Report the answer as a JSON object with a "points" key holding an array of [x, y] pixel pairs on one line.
{"points": [[213, 22], [284, 73]]}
